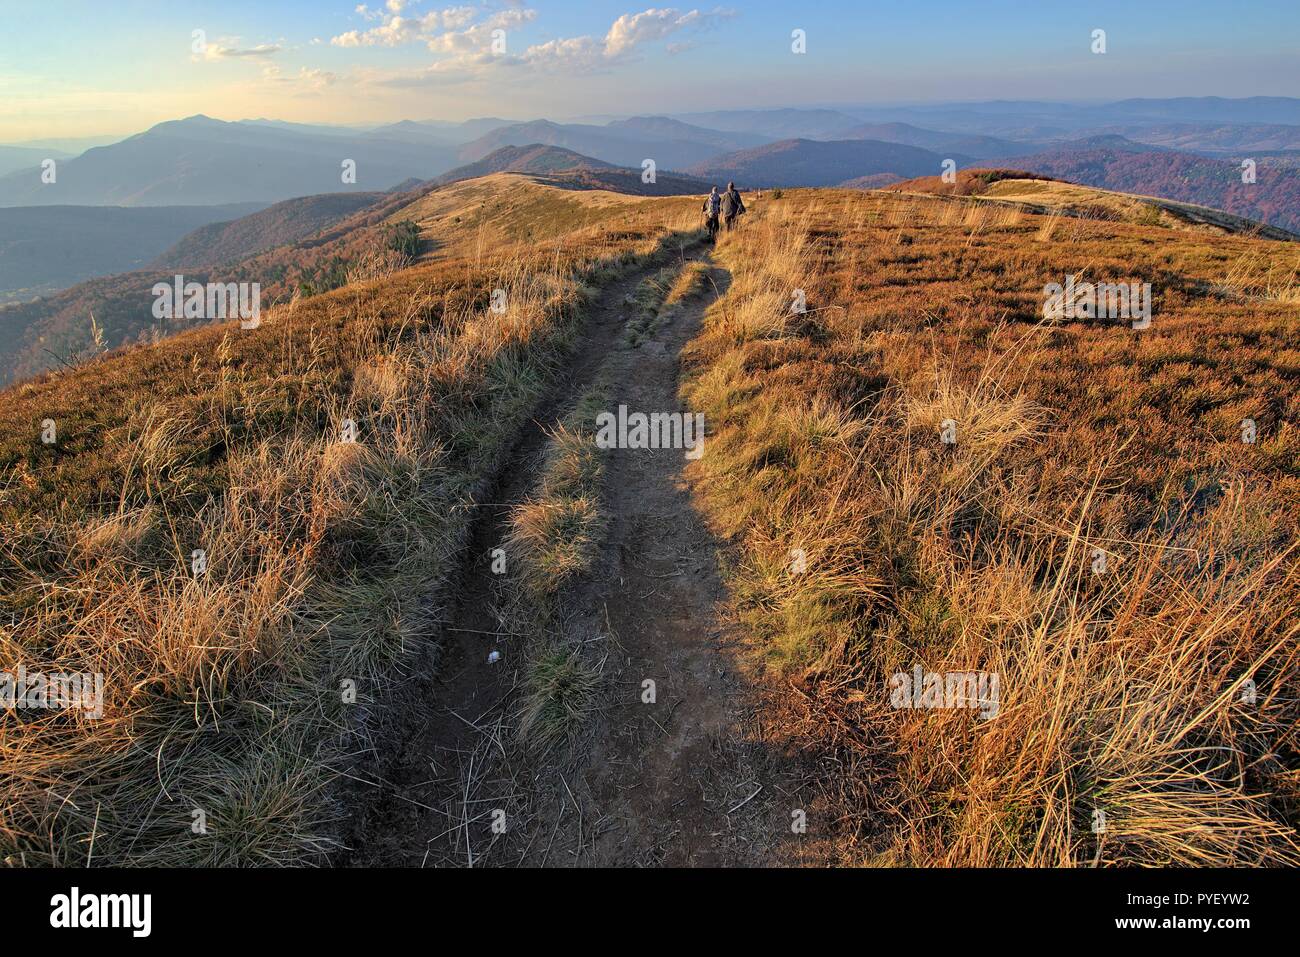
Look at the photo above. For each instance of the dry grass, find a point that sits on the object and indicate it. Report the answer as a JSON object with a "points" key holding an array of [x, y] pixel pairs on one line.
{"points": [[553, 535], [553, 543], [230, 694], [1265, 278], [560, 692], [659, 297], [1097, 535]]}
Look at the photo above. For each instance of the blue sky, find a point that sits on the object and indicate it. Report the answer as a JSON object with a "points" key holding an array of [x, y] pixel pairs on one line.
{"points": [[89, 67]]}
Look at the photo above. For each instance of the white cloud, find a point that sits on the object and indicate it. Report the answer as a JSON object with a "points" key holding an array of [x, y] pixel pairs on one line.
{"points": [[463, 36], [219, 51], [625, 35], [576, 54], [305, 82], [453, 18], [394, 31], [632, 29], [477, 38], [397, 30]]}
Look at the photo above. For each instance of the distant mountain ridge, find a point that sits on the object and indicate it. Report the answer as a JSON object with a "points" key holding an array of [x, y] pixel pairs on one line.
{"points": [[1274, 197], [671, 145], [566, 169], [617, 179], [976, 147], [13, 158], [801, 162], [530, 158], [777, 124], [651, 128], [1186, 150], [1214, 109], [1238, 138], [202, 161]]}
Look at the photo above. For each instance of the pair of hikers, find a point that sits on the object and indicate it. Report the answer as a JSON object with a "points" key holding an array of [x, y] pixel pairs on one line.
{"points": [[726, 205]]}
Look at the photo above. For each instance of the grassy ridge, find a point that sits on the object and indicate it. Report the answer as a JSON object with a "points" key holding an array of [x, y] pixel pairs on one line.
{"points": [[1098, 535], [230, 690]]}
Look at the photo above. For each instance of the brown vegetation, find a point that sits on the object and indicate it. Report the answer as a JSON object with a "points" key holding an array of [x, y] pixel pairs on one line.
{"points": [[1099, 535], [228, 690]]}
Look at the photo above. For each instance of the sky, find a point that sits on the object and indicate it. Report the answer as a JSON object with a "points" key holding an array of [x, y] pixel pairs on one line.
{"points": [[82, 68]]}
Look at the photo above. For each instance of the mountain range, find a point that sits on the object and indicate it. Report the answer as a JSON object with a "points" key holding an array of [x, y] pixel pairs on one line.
{"points": [[203, 161], [671, 144], [800, 162], [565, 168], [14, 158], [138, 202]]}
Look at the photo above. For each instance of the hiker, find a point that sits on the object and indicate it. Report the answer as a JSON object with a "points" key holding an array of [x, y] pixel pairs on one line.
{"points": [[712, 207], [732, 206]]}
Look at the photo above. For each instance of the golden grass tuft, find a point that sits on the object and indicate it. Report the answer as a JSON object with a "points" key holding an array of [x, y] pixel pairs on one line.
{"points": [[554, 542], [559, 693]]}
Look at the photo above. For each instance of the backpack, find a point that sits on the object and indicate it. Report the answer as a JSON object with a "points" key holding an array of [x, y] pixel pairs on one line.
{"points": [[713, 203], [730, 203]]}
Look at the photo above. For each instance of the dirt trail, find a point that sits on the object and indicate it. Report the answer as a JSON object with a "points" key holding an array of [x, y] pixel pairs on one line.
{"points": [[689, 779]]}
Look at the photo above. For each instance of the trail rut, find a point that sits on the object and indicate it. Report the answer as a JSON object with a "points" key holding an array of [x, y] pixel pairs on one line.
{"points": [[691, 778]]}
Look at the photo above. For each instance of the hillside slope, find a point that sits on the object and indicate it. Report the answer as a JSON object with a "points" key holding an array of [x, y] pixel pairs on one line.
{"points": [[469, 217], [920, 475], [1023, 571], [1039, 194], [530, 158], [326, 466], [1274, 198], [218, 244]]}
